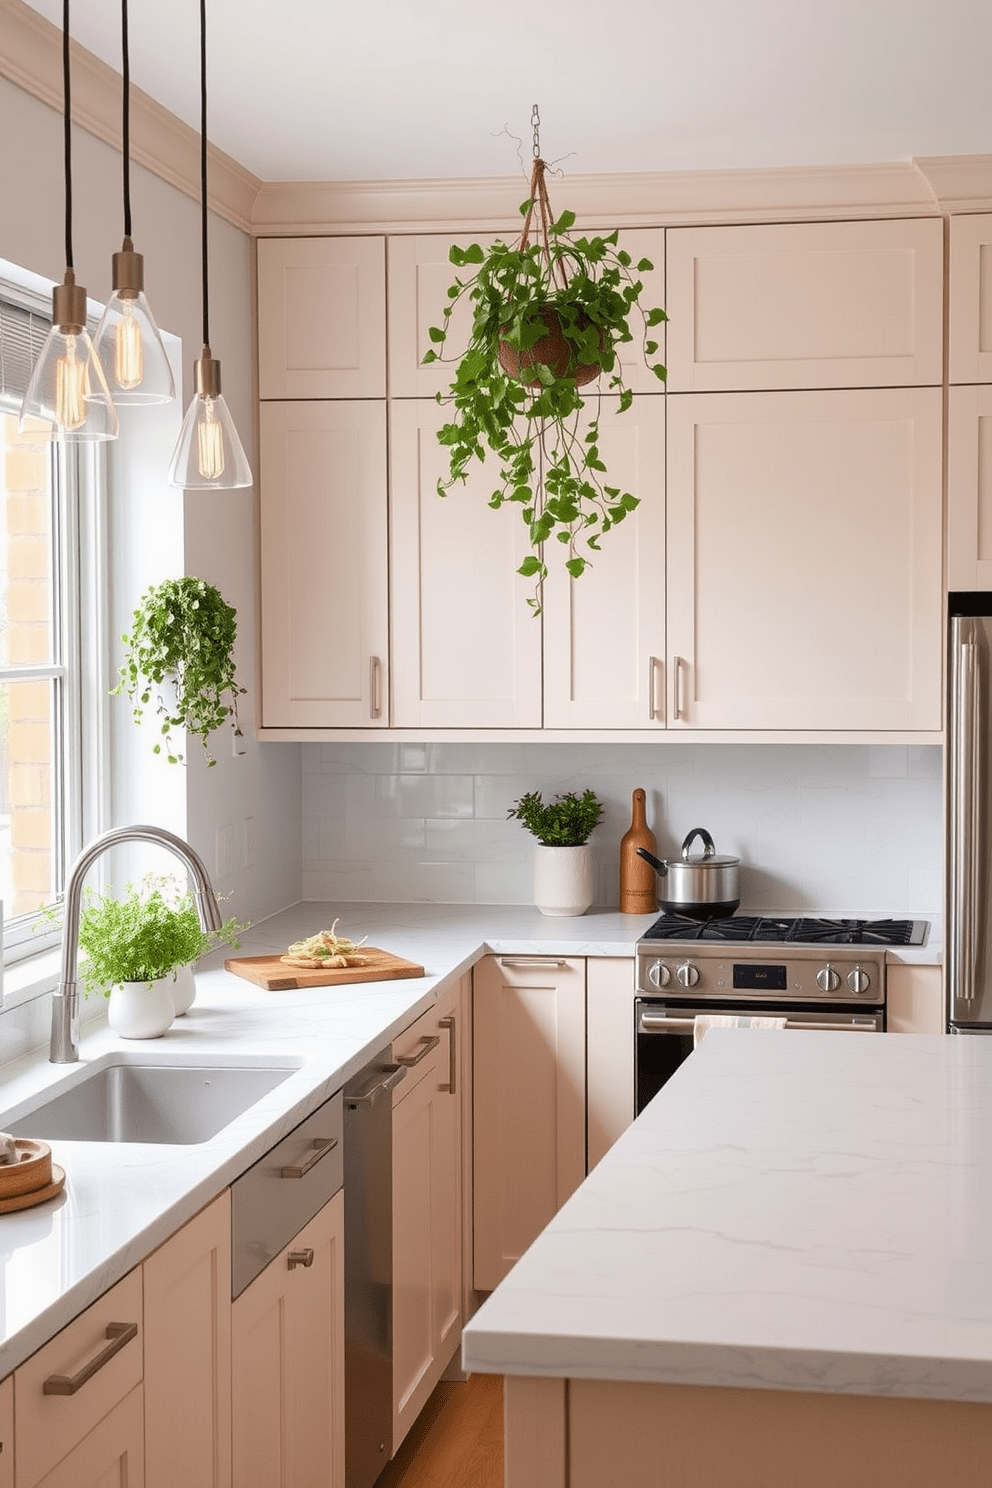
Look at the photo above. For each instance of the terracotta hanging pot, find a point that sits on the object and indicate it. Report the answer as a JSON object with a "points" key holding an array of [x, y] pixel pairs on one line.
{"points": [[551, 349]]}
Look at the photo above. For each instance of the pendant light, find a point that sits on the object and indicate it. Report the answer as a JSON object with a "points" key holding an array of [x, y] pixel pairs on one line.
{"points": [[128, 341], [209, 454], [68, 390]]}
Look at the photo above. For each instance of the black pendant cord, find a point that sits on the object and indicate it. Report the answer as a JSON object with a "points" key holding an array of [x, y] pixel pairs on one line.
{"points": [[203, 166], [126, 118], [67, 126]]}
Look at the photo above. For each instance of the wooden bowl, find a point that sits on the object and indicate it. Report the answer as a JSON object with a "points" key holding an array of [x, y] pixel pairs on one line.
{"points": [[33, 1169]]}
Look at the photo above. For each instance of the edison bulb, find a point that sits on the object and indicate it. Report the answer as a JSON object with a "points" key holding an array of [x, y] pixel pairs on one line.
{"points": [[129, 355], [209, 443], [71, 387]]}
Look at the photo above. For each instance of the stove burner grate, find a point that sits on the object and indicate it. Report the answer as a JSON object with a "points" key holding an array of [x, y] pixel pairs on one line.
{"points": [[772, 930]]}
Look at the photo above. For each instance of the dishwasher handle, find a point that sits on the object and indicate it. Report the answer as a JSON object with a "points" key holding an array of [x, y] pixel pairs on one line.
{"points": [[321, 1147], [393, 1073]]}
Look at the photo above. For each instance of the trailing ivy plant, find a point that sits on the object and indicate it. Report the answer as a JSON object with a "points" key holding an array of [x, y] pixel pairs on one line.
{"points": [[548, 316], [566, 821], [179, 658]]}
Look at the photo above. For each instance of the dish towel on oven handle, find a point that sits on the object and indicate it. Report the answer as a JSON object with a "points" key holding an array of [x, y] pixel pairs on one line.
{"points": [[703, 1022]]}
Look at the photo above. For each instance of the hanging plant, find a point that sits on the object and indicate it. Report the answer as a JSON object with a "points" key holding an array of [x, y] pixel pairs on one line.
{"points": [[548, 316], [180, 653]]}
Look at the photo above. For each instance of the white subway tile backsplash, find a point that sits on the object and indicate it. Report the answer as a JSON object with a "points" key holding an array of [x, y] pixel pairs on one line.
{"points": [[817, 827]]}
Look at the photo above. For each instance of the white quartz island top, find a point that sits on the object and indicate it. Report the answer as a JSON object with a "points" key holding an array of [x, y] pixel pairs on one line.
{"points": [[121, 1201], [810, 1211]]}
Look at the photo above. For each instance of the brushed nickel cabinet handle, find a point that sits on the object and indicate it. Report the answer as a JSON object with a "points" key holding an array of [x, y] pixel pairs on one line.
{"points": [[449, 1024], [530, 963], [120, 1334], [677, 708], [321, 1147], [375, 674], [394, 1073], [430, 1041], [656, 672], [300, 1258]]}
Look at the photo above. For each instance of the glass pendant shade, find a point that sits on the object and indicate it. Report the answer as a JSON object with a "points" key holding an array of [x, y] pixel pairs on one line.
{"points": [[68, 390], [128, 341], [209, 456]]}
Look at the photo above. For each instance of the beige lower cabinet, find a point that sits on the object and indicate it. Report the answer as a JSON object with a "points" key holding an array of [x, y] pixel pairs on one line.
{"points": [[78, 1400], [529, 1101], [287, 1338], [7, 1432], [427, 1206], [609, 1052], [188, 1354], [915, 1000]]}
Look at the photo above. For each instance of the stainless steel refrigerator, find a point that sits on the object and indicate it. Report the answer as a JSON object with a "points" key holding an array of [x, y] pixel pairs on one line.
{"points": [[968, 818]]}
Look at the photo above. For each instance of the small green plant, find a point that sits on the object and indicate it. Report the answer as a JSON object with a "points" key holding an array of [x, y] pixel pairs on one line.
{"points": [[182, 640], [548, 316], [142, 935], [566, 821]]}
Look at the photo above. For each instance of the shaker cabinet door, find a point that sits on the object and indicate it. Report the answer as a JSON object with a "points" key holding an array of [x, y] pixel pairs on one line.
{"points": [[969, 488], [804, 560], [325, 588], [970, 332]]}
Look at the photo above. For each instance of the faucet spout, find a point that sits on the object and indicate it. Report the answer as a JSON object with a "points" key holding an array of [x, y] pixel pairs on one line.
{"points": [[64, 1048]]}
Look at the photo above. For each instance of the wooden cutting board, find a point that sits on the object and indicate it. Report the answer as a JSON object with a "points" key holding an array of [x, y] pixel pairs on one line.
{"points": [[274, 975]]}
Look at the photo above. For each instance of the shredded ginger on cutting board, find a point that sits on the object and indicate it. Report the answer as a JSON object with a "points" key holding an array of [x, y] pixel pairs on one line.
{"points": [[326, 948]]}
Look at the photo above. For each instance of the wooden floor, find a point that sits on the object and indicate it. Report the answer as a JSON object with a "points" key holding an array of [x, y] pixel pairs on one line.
{"points": [[457, 1441]]}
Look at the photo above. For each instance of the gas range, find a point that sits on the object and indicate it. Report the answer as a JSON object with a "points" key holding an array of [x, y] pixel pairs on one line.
{"points": [[771, 959]]}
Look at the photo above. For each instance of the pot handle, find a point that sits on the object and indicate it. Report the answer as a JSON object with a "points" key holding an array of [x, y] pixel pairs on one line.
{"points": [[656, 863], [705, 839]]}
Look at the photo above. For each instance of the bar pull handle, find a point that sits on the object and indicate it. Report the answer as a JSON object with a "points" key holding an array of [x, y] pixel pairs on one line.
{"points": [[300, 1258], [393, 1073], [656, 690], [321, 1147], [449, 1024], [678, 710], [687, 1025], [531, 963], [120, 1334], [964, 828], [375, 687], [429, 1041]]}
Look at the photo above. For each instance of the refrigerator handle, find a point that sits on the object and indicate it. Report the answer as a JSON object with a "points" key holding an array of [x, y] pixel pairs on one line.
{"points": [[964, 815]]}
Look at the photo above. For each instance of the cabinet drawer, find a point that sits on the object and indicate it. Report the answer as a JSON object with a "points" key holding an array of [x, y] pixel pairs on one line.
{"points": [[87, 1360], [284, 1189]]}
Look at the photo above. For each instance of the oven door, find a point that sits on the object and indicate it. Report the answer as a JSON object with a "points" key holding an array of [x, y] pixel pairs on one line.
{"points": [[664, 1033]]}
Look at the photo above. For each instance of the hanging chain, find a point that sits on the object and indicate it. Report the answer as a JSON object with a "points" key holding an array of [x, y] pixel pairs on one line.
{"points": [[535, 120]]}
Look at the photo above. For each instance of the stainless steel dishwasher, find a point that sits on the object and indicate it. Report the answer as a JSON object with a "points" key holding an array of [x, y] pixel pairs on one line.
{"points": [[368, 1269]]}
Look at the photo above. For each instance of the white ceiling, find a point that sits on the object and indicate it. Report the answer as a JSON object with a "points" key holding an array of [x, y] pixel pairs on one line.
{"points": [[405, 89]]}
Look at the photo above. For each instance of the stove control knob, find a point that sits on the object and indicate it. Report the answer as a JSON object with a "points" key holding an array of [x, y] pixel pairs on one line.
{"points": [[686, 975], [858, 980], [659, 974], [827, 979]]}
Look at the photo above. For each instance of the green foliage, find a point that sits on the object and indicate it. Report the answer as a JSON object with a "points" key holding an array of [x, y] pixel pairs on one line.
{"points": [[144, 934], [564, 822], [182, 637], [549, 459]]}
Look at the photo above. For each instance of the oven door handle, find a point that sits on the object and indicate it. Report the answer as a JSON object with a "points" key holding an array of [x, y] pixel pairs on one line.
{"points": [[655, 1023]]}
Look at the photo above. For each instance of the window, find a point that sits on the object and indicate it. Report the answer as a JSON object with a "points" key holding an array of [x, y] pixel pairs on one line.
{"points": [[52, 677]]}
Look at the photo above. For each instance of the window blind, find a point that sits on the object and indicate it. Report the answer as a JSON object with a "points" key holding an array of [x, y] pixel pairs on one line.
{"points": [[22, 334]]}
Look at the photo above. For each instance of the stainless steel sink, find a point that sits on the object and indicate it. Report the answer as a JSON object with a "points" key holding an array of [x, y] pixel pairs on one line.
{"points": [[127, 1101]]}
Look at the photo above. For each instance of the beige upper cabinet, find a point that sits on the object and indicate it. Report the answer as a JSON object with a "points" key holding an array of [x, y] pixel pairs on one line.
{"points": [[970, 348], [804, 560], [805, 305], [321, 318], [969, 487], [325, 601], [604, 632], [466, 647]]}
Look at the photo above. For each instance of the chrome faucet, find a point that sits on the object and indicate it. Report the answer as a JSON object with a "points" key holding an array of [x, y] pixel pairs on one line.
{"points": [[65, 1000]]}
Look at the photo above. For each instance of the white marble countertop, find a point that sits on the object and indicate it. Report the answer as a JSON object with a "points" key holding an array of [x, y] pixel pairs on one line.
{"points": [[120, 1201], [810, 1213]]}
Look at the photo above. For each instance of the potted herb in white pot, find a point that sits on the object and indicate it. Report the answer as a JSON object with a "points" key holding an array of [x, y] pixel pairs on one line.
{"points": [[563, 877], [140, 948]]}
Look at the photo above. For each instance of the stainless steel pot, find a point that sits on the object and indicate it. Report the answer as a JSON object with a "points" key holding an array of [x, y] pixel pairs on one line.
{"points": [[701, 887]]}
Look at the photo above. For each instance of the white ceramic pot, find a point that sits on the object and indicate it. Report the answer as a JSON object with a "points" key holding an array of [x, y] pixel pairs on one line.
{"points": [[141, 1010], [183, 989], [563, 879]]}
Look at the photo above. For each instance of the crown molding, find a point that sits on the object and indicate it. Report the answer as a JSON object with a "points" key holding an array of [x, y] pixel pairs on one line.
{"points": [[662, 199], [960, 183], [31, 58]]}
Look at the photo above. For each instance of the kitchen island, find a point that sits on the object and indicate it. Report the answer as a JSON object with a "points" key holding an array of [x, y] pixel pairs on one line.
{"points": [[779, 1275]]}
